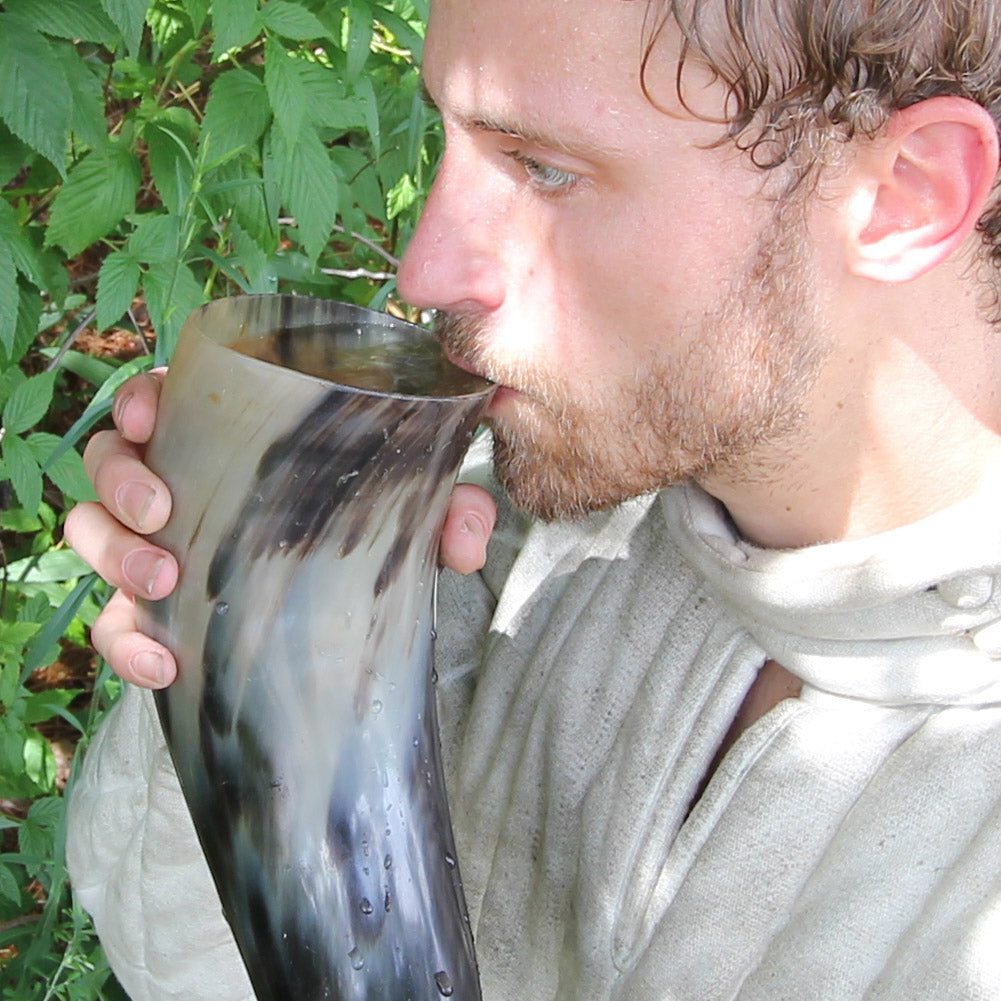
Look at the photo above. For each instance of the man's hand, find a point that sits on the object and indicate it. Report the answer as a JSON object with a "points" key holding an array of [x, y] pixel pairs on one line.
{"points": [[133, 502]]}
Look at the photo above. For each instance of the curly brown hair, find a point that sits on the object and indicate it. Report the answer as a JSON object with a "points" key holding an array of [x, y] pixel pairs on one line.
{"points": [[802, 75]]}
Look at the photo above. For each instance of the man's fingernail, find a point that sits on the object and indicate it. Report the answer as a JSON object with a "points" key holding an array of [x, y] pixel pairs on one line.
{"points": [[134, 499], [476, 527], [142, 568], [148, 666], [121, 402]]}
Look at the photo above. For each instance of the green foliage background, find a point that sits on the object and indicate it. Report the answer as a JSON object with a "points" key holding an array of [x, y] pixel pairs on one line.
{"points": [[155, 155]]}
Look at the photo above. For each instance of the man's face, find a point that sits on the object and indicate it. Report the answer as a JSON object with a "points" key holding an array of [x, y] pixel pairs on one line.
{"points": [[641, 304]]}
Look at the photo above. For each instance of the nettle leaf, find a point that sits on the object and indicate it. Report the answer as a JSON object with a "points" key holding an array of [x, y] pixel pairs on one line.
{"points": [[8, 297], [100, 190], [87, 91], [236, 24], [35, 99], [129, 16], [117, 283], [249, 254], [291, 20], [29, 309], [53, 567], [239, 186], [286, 88], [9, 381], [308, 184], [13, 153], [236, 114], [10, 889], [157, 237], [23, 471], [66, 470], [197, 11], [327, 106], [172, 292], [360, 32], [28, 403], [73, 19], [14, 238], [171, 159]]}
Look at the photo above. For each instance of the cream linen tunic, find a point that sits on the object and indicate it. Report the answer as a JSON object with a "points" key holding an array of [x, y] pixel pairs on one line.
{"points": [[848, 846]]}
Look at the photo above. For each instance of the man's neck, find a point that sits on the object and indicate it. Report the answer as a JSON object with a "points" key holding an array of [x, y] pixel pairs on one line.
{"points": [[898, 445]]}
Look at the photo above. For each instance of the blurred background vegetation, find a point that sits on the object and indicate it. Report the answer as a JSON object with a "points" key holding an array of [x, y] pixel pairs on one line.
{"points": [[155, 154]]}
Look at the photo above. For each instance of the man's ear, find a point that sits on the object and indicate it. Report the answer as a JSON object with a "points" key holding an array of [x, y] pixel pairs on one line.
{"points": [[920, 187]]}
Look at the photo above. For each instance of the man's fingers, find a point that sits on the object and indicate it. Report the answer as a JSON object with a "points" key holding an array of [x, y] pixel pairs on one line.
{"points": [[471, 517], [133, 656], [121, 557], [136, 401], [126, 487]]}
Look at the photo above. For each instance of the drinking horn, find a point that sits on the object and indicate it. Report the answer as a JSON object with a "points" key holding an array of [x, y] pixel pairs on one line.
{"points": [[311, 448]]}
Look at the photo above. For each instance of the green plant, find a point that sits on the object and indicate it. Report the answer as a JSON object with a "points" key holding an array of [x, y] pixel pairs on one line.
{"points": [[155, 154]]}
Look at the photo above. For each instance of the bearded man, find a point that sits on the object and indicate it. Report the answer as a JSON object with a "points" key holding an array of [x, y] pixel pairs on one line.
{"points": [[721, 701]]}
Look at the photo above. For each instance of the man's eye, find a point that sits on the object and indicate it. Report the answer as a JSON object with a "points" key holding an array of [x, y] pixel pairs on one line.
{"points": [[551, 180]]}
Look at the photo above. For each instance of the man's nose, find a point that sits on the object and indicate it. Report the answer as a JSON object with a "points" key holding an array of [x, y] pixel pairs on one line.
{"points": [[454, 259]]}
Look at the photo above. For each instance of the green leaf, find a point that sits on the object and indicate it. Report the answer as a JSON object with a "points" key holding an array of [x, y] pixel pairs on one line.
{"points": [[9, 381], [8, 297], [117, 284], [401, 196], [291, 20], [308, 183], [249, 254], [86, 89], [29, 308], [100, 190], [35, 99], [10, 889], [22, 470], [235, 23], [286, 89], [82, 20], [370, 104], [157, 237], [172, 292], [65, 469], [359, 37], [129, 17], [236, 114], [14, 237], [42, 706], [39, 766], [171, 162], [28, 403], [238, 185], [197, 11], [13, 154], [54, 566], [326, 104], [36, 654]]}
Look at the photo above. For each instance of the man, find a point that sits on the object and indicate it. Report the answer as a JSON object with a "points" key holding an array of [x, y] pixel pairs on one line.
{"points": [[735, 739]]}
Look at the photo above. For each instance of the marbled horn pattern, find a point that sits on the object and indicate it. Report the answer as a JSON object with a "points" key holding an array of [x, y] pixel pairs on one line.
{"points": [[303, 727]]}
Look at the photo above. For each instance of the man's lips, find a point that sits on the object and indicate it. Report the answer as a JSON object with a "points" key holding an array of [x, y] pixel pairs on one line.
{"points": [[460, 362], [501, 393]]}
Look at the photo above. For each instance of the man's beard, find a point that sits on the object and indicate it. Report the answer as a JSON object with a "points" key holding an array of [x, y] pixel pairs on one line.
{"points": [[572, 448]]}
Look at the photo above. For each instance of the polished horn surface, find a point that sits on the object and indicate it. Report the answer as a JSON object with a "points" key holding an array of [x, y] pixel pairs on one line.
{"points": [[311, 448]]}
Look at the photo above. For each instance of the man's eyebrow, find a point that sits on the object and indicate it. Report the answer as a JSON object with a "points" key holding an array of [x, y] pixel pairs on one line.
{"points": [[520, 131]]}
